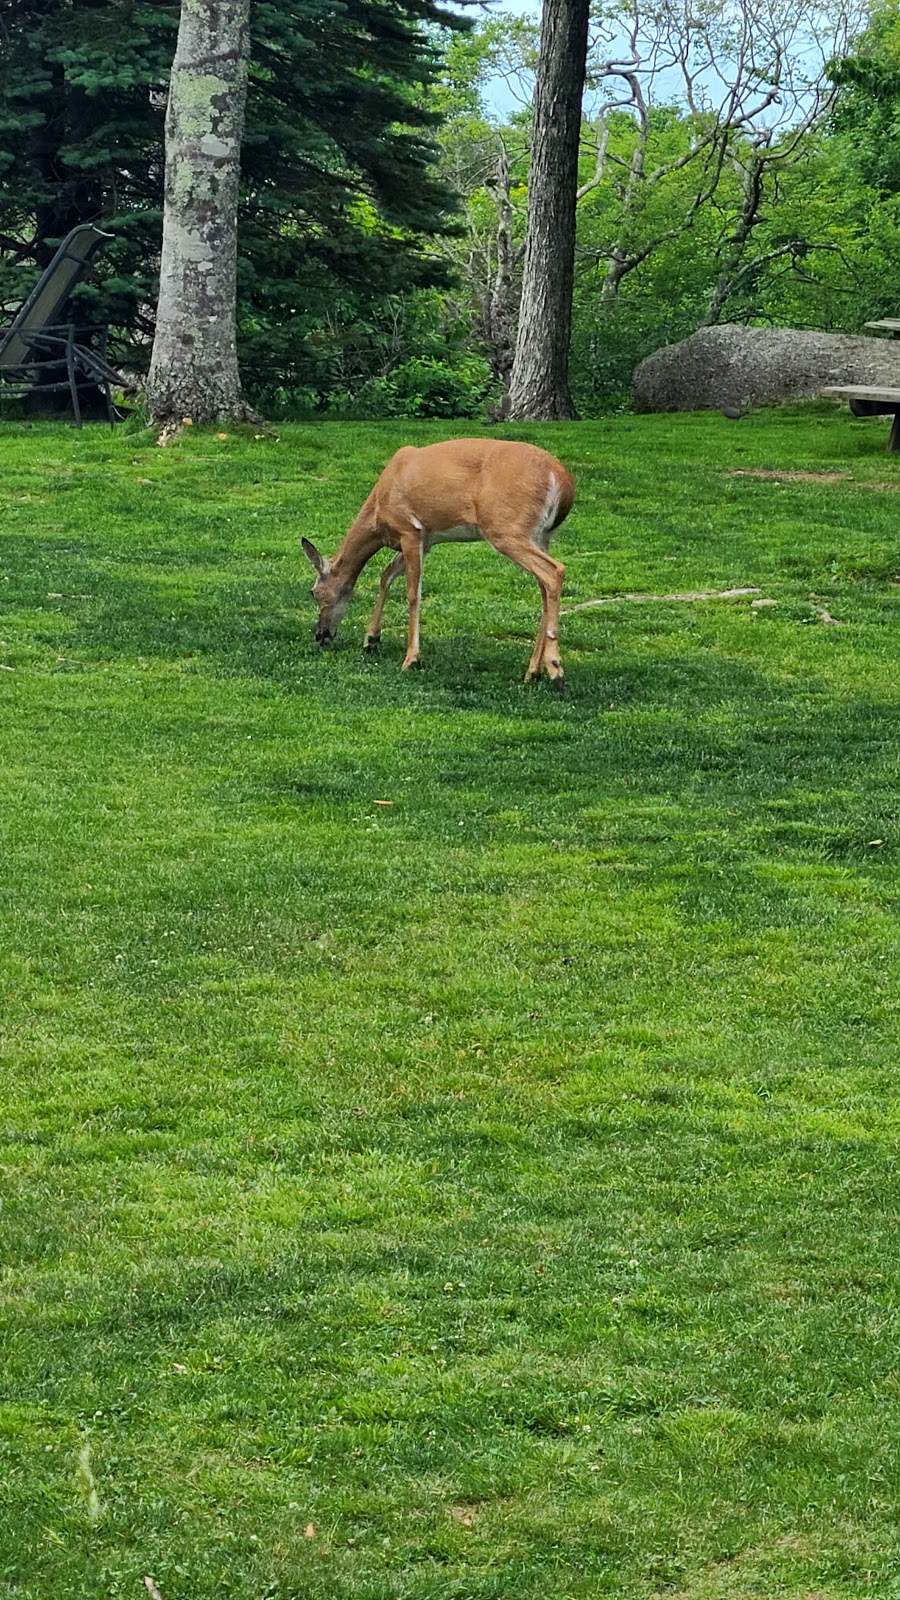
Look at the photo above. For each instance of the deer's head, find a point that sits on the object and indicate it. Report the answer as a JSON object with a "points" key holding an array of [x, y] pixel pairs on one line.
{"points": [[331, 594]]}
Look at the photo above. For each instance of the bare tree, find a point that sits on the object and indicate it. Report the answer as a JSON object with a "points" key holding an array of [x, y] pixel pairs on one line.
{"points": [[806, 97], [499, 303], [742, 70], [194, 368], [539, 385]]}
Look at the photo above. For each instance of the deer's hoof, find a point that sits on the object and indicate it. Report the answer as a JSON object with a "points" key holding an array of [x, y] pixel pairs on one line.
{"points": [[408, 665], [373, 642]]}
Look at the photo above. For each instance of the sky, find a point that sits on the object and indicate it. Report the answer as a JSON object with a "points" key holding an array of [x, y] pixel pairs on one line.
{"points": [[501, 99], [497, 94]]}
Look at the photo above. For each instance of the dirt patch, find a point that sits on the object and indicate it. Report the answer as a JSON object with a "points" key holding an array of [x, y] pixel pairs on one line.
{"points": [[464, 1515], [690, 594], [812, 477], [792, 477]]}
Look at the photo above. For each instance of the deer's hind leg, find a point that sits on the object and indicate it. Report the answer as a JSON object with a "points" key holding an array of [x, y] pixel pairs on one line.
{"points": [[549, 575], [537, 654], [551, 657], [391, 571]]}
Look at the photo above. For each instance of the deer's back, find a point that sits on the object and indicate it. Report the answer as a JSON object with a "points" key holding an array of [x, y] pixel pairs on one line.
{"points": [[476, 483]]}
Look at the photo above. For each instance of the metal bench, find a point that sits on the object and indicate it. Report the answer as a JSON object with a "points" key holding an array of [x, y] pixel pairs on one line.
{"points": [[37, 345], [868, 401]]}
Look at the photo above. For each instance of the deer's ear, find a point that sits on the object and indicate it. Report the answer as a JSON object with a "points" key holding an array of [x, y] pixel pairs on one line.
{"points": [[315, 556]]}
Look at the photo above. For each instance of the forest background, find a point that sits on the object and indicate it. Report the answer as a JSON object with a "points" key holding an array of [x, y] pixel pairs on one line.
{"points": [[739, 162]]}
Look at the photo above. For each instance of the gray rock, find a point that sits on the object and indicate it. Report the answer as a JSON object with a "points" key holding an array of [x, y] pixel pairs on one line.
{"points": [[730, 368]]}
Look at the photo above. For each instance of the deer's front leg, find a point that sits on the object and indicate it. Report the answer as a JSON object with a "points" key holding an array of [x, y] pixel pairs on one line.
{"points": [[412, 553], [391, 571]]}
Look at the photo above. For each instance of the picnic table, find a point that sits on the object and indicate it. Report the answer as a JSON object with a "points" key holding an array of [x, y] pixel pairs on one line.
{"points": [[867, 400], [872, 400], [889, 325]]}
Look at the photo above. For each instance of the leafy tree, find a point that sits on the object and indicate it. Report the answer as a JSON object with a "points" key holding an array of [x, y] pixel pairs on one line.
{"points": [[488, 166], [868, 101]]}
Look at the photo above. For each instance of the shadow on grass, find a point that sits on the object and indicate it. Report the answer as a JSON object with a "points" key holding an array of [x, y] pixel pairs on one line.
{"points": [[687, 725]]}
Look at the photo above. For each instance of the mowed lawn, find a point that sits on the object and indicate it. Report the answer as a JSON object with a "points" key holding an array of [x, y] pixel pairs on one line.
{"points": [[493, 1193]]}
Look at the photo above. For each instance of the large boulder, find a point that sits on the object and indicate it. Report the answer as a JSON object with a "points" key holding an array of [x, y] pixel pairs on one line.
{"points": [[730, 367]]}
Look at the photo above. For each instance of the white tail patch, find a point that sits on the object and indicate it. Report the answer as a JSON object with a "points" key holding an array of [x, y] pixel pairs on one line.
{"points": [[544, 525], [507, 492]]}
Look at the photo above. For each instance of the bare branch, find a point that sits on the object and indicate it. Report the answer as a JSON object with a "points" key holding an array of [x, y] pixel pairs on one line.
{"points": [[600, 165]]}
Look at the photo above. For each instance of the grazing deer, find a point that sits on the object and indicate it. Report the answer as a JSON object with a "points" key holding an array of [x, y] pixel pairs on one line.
{"points": [[511, 494]]}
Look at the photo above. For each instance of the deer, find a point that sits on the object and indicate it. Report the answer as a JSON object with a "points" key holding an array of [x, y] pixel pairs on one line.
{"points": [[511, 494]]}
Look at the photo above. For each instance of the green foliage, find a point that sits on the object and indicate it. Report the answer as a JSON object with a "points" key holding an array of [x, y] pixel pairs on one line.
{"points": [[823, 255], [868, 105], [339, 168], [362, 292], [400, 356], [420, 388], [80, 140], [822, 252], [489, 1195]]}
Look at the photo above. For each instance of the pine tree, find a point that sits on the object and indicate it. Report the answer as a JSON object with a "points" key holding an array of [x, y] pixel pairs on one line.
{"points": [[81, 140], [339, 183]]}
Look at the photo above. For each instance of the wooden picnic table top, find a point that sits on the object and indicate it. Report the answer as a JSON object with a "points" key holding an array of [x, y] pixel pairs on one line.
{"points": [[862, 391]]}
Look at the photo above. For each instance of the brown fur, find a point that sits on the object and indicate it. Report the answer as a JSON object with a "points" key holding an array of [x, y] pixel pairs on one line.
{"points": [[509, 493]]}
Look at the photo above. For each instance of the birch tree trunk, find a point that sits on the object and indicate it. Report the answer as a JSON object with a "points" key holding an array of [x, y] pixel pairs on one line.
{"points": [[194, 368], [539, 387]]}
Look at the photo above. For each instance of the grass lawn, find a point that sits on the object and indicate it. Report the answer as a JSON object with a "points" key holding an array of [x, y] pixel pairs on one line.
{"points": [[490, 1194]]}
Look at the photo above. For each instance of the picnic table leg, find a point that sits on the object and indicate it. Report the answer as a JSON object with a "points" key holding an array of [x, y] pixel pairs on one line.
{"points": [[894, 436]]}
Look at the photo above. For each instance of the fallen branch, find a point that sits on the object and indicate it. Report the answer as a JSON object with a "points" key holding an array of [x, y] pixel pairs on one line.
{"points": [[690, 594]]}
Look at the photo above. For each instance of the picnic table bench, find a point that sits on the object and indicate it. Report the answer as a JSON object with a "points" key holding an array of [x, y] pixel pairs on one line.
{"points": [[869, 401]]}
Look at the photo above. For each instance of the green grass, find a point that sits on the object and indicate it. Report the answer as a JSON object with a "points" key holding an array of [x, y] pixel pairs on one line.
{"points": [[494, 1194]]}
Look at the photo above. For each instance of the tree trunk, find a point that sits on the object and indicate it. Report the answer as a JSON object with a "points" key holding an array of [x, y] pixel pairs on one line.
{"points": [[194, 369], [498, 312], [540, 384], [751, 175], [620, 264]]}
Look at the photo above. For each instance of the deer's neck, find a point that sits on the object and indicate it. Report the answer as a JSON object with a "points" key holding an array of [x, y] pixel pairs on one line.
{"points": [[360, 543]]}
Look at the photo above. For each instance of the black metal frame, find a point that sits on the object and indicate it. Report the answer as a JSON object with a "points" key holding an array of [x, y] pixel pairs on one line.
{"points": [[30, 354], [57, 349]]}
